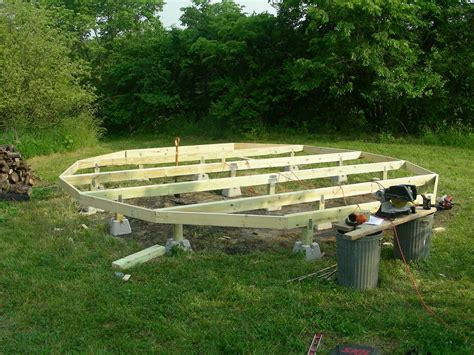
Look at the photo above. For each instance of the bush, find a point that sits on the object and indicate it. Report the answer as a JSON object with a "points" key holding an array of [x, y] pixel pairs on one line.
{"points": [[44, 105]]}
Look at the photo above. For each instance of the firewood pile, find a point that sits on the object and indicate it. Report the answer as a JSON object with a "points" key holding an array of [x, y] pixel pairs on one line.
{"points": [[16, 178]]}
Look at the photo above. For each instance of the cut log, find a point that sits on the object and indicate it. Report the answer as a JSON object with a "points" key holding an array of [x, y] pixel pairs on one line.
{"points": [[5, 186], [4, 168], [14, 178]]}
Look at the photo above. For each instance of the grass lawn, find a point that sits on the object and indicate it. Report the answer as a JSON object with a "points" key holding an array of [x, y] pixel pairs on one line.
{"points": [[59, 294]]}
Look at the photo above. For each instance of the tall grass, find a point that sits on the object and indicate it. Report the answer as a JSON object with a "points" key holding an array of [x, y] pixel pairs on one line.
{"points": [[69, 135]]}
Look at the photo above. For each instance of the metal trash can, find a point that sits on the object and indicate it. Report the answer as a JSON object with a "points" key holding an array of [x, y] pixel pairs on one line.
{"points": [[415, 239], [358, 261]]}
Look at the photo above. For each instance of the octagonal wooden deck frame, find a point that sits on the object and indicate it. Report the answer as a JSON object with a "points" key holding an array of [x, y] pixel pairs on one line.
{"points": [[233, 158]]}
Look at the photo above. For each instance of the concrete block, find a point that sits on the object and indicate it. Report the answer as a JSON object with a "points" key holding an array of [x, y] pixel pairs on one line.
{"points": [[119, 227], [312, 252], [200, 177], [182, 244], [232, 192]]}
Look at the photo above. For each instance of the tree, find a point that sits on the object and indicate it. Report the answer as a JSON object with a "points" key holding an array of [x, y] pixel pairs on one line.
{"points": [[364, 64], [40, 84]]}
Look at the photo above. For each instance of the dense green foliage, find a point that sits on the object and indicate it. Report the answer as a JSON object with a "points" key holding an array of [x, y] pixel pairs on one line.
{"points": [[43, 91], [389, 67], [379, 66]]}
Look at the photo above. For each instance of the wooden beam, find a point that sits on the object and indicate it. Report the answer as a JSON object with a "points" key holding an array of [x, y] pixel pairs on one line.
{"points": [[249, 180], [435, 190], [308, 233], [142, 213], [322, 150], [171, 171], [71, 190], [222, 219], [297, 220], [365, 229], [184, 157], [244, 145], [416, 169], [71, 170], [139, 257], [376, 158], [297, 197], [187, 149]]}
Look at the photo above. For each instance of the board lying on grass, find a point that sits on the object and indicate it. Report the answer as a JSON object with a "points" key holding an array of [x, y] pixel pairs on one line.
{"points": [[104, 182]]}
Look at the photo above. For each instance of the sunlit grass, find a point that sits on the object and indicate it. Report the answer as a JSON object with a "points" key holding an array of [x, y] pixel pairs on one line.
{"points": [[58, 292]]}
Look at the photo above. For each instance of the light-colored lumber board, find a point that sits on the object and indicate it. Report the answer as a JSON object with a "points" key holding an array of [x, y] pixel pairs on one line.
{"points": [[413, 168], [142, 213], [171, 171], [184, 149], [71, 190], [365, 229], [297, 220], [238, 146], [240, 181], [184, 157], [434, 195], [222, 219], [290, 221], [376, 158], [71, 170], [297, 197], [322, 150], [139, 257], [193, 149], [202, 148]]}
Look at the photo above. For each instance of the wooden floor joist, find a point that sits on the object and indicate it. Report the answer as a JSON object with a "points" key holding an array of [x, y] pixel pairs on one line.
{"points": [[169, 157], [241, 161], [242, 181], [172, 171], [297, 197]]}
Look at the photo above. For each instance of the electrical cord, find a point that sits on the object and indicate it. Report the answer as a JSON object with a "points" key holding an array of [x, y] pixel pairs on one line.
{"points": [[428, 309]]}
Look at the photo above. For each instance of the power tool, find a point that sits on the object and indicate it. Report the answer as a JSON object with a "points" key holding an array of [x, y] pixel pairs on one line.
{"points": [[445, 202], [396, 201], [357, 218]]}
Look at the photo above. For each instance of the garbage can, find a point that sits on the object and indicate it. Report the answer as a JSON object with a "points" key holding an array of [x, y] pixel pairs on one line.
{"points": [[415, 239], [358, 260]]}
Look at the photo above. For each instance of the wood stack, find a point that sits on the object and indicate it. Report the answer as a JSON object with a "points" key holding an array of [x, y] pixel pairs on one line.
{"points": [[16, 178]]}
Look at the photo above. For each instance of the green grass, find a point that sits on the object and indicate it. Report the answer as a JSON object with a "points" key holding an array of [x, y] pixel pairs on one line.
{"points": [[59, 294], [70, 135]]}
